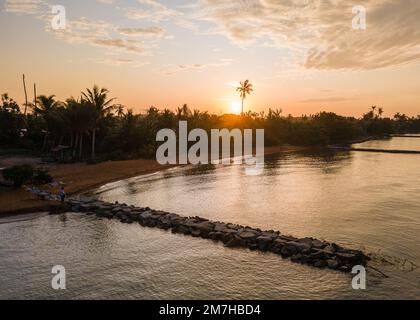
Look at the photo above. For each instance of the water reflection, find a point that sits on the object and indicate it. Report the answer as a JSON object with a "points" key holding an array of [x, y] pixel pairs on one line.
{"points": [[364, 200]]}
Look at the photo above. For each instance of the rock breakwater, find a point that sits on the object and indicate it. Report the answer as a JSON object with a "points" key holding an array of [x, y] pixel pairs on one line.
{"points": [[308, 251]]}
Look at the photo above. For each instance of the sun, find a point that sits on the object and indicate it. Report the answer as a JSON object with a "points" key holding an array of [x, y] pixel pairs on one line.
{"points": [[236, 107]]}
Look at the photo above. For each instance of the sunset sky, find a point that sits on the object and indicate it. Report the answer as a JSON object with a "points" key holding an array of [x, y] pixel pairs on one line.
{"points": [[302, 56]]}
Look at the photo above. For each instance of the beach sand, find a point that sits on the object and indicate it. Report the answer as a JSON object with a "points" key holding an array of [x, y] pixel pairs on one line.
{"points": [[81, 177]]}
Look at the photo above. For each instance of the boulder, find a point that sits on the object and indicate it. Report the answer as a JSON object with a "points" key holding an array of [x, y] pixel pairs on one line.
{"points": [[332, 264], [217, 236], [264, 242], [288, 251], [318, 244], [300, 247], [320, 264], [307, 241], [350, 257], [247, 235], [195, 233], [234, 241], [204, 226], [219, 227]]}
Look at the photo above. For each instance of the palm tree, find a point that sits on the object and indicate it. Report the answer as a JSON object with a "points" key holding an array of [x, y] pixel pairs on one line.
{"points": [[119, 110], [80, 119], [45, 106], [373, 109], [98, 99], [380, 112], [244, 89]]}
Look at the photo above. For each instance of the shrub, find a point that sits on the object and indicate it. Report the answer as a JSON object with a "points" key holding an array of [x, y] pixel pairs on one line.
{"points": [[18, 174], [42, 176]]}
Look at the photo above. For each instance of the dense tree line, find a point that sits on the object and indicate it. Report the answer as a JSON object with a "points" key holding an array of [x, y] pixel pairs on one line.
{"points": [[92, 126]]}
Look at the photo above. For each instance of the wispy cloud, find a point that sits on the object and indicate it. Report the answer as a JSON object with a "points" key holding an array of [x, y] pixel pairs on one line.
{"points": [[173, 69], [321, 31], [89, 31], [24, 6], [150, 10], [106, 1], [116, 62], [143, 32], [327, 100]]}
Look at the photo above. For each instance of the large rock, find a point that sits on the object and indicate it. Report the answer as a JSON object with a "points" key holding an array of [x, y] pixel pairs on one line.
{"points": [[248, 235], [264, 242], [318, 244], [195, 233], [288, 251], [278, 245], [300, 247], [332, 264], [204, 226], [217, 236], [307, 241], [350, 257], [234, 241]]}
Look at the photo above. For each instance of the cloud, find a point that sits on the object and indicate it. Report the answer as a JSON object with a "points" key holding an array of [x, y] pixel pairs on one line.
{"points": [[326, 100], [320, 31], [150, 10], [87, 31], [95, 33], [173, 69], [24, 6], [143, 32], [130, 46], [116, 62], [106, 1]]}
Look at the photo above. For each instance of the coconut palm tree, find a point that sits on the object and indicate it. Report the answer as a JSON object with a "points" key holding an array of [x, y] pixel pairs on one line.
{"points": [[244, 89], [45, 106], [80, 119], [98, 99], [119, 111], [373, 109]]}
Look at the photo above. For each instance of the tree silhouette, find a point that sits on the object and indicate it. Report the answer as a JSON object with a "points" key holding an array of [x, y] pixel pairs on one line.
{"points": [[98, 99], [244, 89]]}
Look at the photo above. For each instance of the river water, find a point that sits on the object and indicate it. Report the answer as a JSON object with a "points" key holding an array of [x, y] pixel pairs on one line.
{"points": [[362, 200]]}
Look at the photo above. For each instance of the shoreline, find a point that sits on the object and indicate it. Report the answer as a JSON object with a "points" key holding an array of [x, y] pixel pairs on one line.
{"points": [[81, 178]]}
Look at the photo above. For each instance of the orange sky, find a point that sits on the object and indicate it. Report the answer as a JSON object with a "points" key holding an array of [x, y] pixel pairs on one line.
{"points": [[302, 57]]}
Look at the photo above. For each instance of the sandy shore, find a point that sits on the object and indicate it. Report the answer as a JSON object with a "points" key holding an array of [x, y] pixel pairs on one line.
{"points": [[81, 177]]}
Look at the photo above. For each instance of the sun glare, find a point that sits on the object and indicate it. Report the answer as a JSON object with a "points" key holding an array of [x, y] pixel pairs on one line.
{"points": [[236, 107]]}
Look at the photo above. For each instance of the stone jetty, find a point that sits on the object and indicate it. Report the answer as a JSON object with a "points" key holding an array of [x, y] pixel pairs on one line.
{"points": [[308, 251]]}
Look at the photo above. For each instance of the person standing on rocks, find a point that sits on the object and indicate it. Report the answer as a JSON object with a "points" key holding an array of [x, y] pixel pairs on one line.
{"points": [[62, 194]]}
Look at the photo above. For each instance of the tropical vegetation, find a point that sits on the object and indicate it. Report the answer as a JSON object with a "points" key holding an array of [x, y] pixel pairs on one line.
{"points": [[91, 127]]}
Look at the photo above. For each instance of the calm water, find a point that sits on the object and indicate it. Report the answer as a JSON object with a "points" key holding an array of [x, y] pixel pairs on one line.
{"points": [[364, 200]]}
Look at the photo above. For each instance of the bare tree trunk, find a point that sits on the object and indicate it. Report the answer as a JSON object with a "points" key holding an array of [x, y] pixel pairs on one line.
{"points": [[44, 144], [75, 144], [54, 138], [242, 106], [93, 142], [81, 146], [26, 95], [71, 140], [34, 96]]}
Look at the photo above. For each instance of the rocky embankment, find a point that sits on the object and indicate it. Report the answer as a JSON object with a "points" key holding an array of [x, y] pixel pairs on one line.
{"points": [[307, 251]]}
